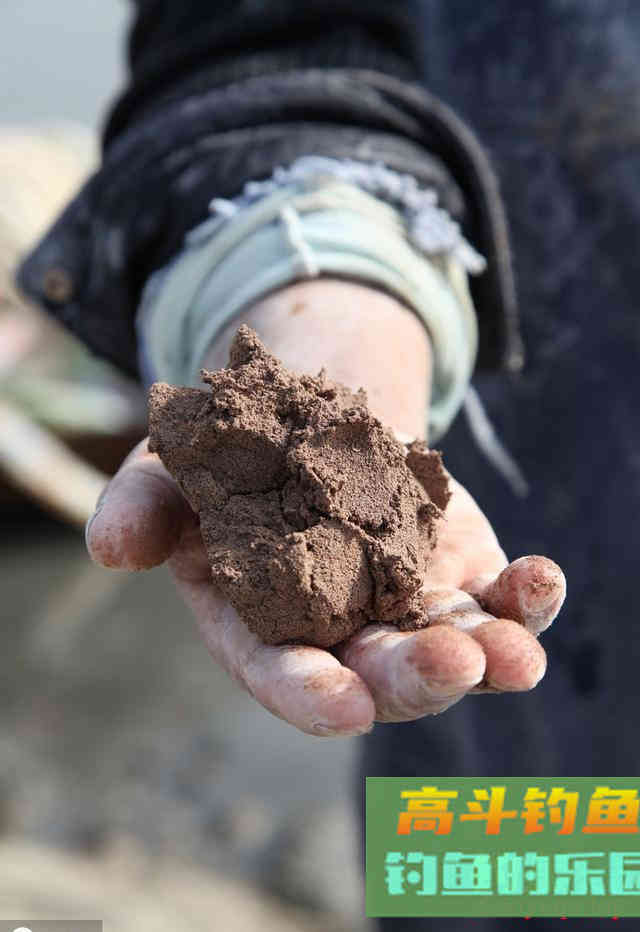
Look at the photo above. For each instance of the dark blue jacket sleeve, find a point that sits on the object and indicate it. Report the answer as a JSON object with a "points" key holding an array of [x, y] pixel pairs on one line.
{"points": [[199, 43], [221, 93]]}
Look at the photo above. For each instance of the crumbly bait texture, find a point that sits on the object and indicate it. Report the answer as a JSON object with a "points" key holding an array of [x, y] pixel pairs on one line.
{"points": [[314, 518]]}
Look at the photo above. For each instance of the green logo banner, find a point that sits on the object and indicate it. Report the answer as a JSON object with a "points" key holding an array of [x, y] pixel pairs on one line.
{"points": [[503, 846]]}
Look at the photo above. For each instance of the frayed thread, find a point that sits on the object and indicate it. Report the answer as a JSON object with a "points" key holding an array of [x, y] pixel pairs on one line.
{"points": [[490, 444], [430, 229]]}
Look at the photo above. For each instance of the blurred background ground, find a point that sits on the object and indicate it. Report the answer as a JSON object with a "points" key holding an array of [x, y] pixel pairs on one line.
{"points": [[137, 783]]}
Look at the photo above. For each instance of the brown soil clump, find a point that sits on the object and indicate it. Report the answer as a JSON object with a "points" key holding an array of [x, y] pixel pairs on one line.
{"points": [[314, 519]]}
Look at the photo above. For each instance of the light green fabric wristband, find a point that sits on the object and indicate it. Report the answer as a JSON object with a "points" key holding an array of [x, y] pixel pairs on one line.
{"points": [[314, 227]]}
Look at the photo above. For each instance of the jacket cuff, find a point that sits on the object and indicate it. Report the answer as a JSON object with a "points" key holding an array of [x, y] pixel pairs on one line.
{"points": [[158, 177]]}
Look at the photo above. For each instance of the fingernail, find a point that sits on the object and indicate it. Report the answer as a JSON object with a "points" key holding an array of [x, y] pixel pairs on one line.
{"points": [[538, 619], [323, 730], [535, 601], [326, 731], [89, 524]]}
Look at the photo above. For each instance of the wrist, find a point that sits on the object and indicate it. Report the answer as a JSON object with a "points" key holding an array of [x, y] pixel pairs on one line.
{"points": [[362, 336]]}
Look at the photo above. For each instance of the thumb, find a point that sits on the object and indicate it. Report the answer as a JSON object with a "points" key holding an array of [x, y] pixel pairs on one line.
{"points": [[140, 517]]}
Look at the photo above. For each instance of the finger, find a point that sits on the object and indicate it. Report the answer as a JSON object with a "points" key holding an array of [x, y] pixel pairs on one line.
{"points": [[140, 516], [305, 686], [445, 605], [515, 659], [411, 674], [530, 590]]}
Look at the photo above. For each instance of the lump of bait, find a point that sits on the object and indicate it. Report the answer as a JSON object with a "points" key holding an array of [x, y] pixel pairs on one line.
{"points": [[315, 519]]}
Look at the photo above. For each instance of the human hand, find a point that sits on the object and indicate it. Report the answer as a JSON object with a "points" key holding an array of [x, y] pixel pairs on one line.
{"points": [[484, 618], [380, 674]]}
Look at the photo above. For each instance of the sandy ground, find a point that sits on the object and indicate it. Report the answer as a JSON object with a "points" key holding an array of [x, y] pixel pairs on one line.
{"points": [[117, 733], [130, 891]]}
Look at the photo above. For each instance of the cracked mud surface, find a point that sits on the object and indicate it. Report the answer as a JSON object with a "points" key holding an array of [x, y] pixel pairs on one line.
{"points": [[314, 518]]}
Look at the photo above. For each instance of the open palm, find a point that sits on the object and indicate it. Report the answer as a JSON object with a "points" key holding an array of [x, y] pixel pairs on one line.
{"points": [[484, 614]]}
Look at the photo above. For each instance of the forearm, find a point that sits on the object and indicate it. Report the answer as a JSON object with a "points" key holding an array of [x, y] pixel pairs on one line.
{"points": [[360, 335]]}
